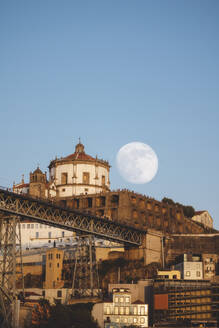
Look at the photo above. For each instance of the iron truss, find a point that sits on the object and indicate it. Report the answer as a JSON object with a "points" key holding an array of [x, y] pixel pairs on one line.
{"points": [[68, 219]]}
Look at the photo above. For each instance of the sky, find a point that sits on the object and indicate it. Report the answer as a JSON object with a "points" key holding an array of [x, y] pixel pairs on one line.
{"points": [[113, 72]]}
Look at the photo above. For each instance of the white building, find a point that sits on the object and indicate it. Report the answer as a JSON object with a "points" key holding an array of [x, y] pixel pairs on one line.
{"points": [[121, 312], [36, 235], [78, 174], [190, 268], [75, 174]]}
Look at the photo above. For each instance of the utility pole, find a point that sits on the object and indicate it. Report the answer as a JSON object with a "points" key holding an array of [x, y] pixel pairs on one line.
{"points": [[85, 277]]}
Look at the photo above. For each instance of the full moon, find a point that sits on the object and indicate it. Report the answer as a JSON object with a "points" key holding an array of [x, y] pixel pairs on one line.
{"points": [[137, 162]]}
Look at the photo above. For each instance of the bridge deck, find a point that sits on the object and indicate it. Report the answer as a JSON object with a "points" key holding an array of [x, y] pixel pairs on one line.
{"points": [[50, 214]]}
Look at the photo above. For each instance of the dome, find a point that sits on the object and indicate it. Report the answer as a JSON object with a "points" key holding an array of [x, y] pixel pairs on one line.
{"points": [[80, 154], [37, 171]]}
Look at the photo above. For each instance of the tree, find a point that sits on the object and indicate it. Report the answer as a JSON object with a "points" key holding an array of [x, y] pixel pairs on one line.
{"points": [[70, 316], [168, 201]]}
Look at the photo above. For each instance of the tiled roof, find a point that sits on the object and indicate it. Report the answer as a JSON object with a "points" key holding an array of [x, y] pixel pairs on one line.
{"points": [[24, 185], [80, 157], [199, 212]]}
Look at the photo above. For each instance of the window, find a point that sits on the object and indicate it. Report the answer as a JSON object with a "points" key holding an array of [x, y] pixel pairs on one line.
{"points": [[121, 310], [127, 310], [43, 293], [142, 310], [59, 293], [198, 274], [187, 273], [127, 299], [63, 189], [36, 225], [103, 180], [23, 226], [135, 310], [64, 178], [108, 310], [37, 234], [63, 233], [50, 234], [121, 299], [116, 310], [57, 265], [28, 226], [32, 226], [86, 178], [116, 299], [135, 320], [142, 320], [50, 265]]}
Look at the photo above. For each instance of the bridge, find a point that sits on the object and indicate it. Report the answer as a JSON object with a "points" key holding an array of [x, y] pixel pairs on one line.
{"points": [[50, 214], [15, 207]]}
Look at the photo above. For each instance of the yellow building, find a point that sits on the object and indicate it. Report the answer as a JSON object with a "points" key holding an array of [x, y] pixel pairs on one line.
{"points": [[54, 264], [173, 274]]}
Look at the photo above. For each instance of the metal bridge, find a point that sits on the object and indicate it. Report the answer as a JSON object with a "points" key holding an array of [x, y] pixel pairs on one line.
{"points": [[48, 213], [13, 209]]}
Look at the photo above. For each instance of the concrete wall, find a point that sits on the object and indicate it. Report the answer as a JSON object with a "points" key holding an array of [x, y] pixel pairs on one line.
{"points": [[153, 247]]}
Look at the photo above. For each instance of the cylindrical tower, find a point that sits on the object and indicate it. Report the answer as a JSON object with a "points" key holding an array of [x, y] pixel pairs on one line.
{"points": [[78, 174]]}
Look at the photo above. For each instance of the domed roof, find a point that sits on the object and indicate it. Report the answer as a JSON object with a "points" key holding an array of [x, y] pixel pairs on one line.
{"points": [[37, 171], [80, 154]]}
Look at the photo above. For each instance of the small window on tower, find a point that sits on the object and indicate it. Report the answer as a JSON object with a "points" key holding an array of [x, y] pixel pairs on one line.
{"points": [[86, 178]]}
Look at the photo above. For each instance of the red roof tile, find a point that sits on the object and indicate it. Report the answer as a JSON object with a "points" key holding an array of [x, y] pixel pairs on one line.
{"points": [[24, 185], [80, 157]]}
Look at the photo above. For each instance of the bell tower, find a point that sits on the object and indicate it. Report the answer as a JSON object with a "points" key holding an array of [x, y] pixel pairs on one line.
{"points": [[37, 183]]}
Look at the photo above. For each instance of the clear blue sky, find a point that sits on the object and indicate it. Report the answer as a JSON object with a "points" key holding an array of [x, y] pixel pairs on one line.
{"points": [[113, 72]]}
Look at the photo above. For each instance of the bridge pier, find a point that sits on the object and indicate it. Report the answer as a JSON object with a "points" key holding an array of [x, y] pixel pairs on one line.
{"points": [[151, 249], [10, 248], [85, 277]]}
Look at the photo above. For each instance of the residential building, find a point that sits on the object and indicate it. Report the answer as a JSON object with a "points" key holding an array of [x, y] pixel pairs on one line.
{"points": [[204, 218], [210, 265], [190, 266], [36, 235], [121, 311], [177, 300], [172, 274]]}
